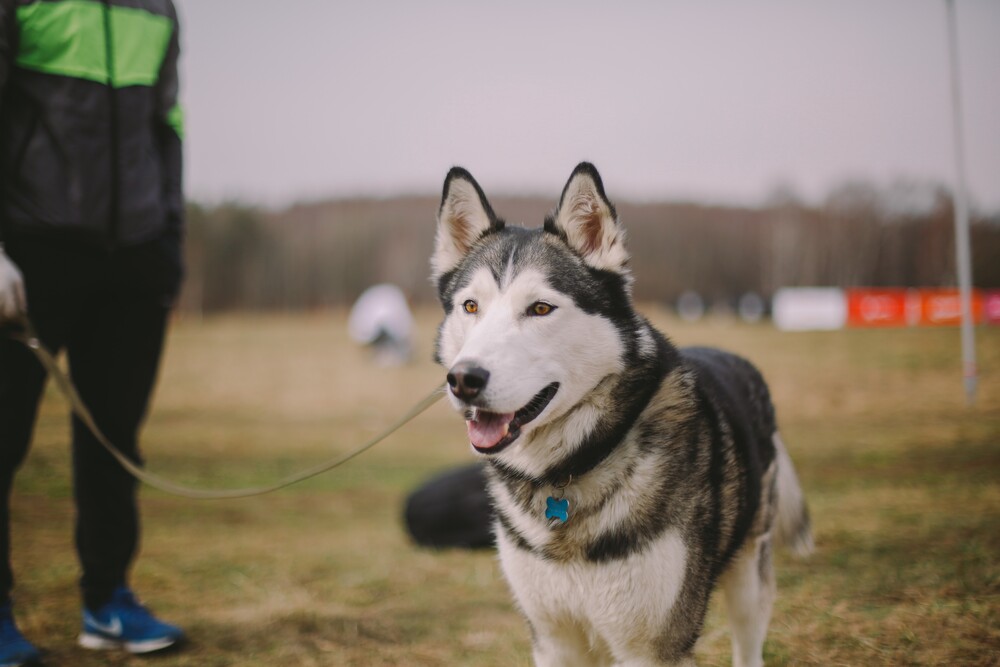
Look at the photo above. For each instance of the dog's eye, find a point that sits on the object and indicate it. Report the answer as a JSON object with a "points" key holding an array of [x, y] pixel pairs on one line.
{"points": [[540, 308], [470, 307]]}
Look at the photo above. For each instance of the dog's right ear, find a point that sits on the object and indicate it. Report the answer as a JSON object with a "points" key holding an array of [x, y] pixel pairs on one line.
{"points": [[463, 217]]}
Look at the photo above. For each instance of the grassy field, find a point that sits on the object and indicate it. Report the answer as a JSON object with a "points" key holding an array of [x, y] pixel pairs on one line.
{"points": [[902, 478]]}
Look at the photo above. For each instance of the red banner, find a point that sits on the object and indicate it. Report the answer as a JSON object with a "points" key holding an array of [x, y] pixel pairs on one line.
{"points": [[897, 307], [944, 307], [991, 307], [881, 307]]}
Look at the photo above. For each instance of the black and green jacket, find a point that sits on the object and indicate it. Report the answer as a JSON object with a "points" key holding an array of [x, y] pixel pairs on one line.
{"points": [[90, 127]]}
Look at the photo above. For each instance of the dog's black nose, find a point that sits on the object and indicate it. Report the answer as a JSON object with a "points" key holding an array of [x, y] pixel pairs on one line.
{"points": [[467, 380]]}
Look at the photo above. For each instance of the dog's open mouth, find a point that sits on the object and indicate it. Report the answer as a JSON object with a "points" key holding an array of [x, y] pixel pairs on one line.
{"points": [[489, 432]]}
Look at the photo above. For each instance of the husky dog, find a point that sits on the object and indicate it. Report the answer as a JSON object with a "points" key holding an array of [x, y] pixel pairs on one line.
{"points": [[628, 476]]}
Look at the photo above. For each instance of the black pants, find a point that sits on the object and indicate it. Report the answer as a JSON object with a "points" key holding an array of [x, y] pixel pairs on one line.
{"points": [[108, 310]]}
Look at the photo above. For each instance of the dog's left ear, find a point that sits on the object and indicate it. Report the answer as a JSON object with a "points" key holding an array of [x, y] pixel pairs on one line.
{"points": [[588, 221]]}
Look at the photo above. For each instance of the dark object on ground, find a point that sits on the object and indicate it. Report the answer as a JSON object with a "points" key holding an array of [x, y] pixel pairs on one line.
{"points": [[452, 509]]}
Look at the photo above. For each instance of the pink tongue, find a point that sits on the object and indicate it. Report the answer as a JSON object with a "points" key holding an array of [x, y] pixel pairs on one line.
{"points": [[489, 429]]}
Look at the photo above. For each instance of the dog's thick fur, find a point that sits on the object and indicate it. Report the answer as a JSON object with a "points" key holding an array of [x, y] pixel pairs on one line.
{"points": [[670, 461]]}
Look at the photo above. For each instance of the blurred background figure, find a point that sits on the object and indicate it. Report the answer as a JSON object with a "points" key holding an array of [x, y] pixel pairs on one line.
{"points": [[381, 319]]}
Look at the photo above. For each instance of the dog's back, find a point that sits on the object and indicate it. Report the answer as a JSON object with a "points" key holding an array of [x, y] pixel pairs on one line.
{"points": [[740, 390], [738, 416]]}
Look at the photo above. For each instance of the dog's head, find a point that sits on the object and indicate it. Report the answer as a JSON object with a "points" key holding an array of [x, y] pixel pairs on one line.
{"points": [[534, 319]]}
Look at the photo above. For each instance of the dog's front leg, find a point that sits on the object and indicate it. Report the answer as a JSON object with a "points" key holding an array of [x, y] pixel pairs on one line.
{"points": [[652, 662], [564, 645]]}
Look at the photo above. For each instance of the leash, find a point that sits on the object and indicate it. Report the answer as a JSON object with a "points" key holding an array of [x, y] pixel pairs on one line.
{"points": [[28, 336]]}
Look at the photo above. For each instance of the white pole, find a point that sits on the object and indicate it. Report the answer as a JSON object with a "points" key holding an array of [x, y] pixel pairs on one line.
{"points": [[961, 217]]}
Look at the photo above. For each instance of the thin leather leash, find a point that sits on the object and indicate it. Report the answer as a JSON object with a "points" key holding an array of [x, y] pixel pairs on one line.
{"points": [[28, 336]]}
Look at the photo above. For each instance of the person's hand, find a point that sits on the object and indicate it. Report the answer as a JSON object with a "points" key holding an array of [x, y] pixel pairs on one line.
{"points": [[13, 303]]}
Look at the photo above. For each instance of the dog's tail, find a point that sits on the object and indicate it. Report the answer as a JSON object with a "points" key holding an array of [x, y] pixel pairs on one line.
{"points": [[792, 523]]}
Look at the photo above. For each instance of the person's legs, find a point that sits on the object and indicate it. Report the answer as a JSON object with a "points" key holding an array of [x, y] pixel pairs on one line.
{"points": [[21, 383], [52, 305], [114, 358], [110, 312], [114, 367], [114, 361]]}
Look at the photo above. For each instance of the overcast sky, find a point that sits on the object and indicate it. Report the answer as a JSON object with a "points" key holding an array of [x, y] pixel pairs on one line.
{"points": [[720, 100]]}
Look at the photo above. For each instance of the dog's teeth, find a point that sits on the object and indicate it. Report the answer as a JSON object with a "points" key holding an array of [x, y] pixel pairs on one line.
{"points": [[506, 429]]}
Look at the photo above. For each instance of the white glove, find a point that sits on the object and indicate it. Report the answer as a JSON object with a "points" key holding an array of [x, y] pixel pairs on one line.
{"points": [[13, 303]]}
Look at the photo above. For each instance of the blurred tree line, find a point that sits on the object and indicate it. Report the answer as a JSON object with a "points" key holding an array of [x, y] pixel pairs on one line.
{"points": [[325, 254]]}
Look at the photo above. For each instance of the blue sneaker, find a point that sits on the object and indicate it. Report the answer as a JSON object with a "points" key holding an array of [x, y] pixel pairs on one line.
{"points": [[123, 623], [15, 650]]}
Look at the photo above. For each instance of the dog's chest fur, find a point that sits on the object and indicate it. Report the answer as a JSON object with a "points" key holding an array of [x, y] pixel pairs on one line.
{"points": [[616, 567], [608, 601], [628, 492]]}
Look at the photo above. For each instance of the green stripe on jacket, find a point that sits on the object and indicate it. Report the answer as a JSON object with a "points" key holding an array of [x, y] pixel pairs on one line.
{"points": [[175, 119], [68, 39]]}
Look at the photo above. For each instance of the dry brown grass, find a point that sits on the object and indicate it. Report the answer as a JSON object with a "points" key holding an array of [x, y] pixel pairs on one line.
{"points": [[902, 479]]}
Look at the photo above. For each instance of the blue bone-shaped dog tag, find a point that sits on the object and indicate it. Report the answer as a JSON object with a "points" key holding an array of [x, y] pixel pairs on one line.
{"points": [[557, 508]]}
